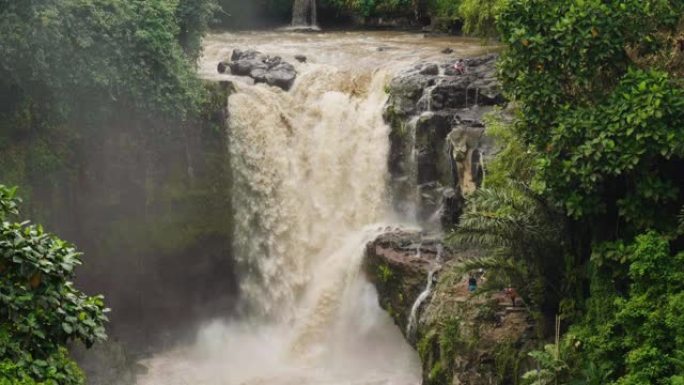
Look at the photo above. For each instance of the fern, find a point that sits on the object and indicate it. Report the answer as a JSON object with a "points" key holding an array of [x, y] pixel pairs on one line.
{"points": [[521, 236]]}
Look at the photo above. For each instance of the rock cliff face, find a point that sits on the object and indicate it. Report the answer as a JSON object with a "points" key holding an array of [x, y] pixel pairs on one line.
{"points": [[438, 154], [462, 338], [438, 144]]}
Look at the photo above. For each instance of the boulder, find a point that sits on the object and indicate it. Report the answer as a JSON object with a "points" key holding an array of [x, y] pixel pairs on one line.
{"points": [[223, 67], [273, 61], [258, 74], [245, 67], [300, 58], [283, 75], [249, 54], [430, 69], [271, 70]]}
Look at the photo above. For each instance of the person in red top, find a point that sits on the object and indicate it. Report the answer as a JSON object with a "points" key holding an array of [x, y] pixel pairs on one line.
{"points": [[512, 294]]}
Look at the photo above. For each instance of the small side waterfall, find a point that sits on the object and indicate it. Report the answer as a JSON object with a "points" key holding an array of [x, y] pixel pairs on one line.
{"points": [[304, 13], [413, 317]]}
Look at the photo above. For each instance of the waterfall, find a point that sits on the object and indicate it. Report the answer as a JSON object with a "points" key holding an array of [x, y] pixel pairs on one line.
{"points": [[413, 317], [304, 13], [309, 168], [412, 321], [309, 171], [484, 170]]}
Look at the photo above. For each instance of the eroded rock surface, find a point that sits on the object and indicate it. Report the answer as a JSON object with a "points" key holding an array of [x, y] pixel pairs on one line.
{"points": [[397, 263], [438, 146]]}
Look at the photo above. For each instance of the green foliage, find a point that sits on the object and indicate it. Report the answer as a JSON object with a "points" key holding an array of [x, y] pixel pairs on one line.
{"points": [[523, 237], [604, 120], [40, 310], [377, 7], [608, 132], [425, 344], [437, 374], [507, 361], [384, 273], [254, 13], [515, 160], [194, 17], [437, 350], [8, 202], [56, 369], [127, 54], [479, 16], [448, 9], [449, 340], [549, 366], [637, 337]]}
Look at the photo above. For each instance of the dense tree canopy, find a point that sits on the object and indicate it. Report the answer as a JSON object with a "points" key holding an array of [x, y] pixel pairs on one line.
{"points": [[476, 16], [601, 106], [86, 55], [609, 130], [71, 70]]}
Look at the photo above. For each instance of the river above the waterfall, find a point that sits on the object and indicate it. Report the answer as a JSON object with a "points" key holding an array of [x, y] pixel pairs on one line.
{"points": [[356, 51], [310, 172]]}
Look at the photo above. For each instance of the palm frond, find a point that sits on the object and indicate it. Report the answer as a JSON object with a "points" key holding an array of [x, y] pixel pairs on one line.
{"points": [[520, 233]]}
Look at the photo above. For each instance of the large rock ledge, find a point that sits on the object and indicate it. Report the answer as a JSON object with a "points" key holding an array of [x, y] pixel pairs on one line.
{"points": [[461, 338], [398, 264]]}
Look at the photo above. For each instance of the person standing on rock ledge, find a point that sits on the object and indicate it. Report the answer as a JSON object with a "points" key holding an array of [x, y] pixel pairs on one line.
{"points": [[472, 284], [512, 294]]}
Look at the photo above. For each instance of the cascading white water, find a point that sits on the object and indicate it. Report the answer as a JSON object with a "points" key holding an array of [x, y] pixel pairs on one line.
{"points": [[310, 181], [413, 316], [304, 13]]}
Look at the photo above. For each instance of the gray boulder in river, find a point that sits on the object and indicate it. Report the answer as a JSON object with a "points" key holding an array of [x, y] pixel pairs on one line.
{"points": [[271, 70]]}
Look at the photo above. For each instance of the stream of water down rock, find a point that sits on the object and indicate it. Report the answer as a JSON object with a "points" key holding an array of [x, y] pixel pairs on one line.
{"points": [[310, 190]]}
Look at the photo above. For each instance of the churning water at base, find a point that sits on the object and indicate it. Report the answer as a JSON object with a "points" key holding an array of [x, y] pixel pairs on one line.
{"points": [[342, 337], [310, 181]]}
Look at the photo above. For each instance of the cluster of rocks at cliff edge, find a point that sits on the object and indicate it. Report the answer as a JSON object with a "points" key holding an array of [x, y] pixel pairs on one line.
{"points": [[438, 146], [262, 68]]}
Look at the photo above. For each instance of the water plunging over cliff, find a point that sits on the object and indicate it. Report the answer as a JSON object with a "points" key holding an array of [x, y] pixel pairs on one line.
{"points": [[310, 187], [304, 13]]}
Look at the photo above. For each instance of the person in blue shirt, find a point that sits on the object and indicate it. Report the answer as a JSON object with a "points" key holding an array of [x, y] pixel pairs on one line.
{"points": [[472, 284]]}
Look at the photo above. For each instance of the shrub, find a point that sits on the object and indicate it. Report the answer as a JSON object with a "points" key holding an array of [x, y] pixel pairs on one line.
{"points": [[40, 310]]}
